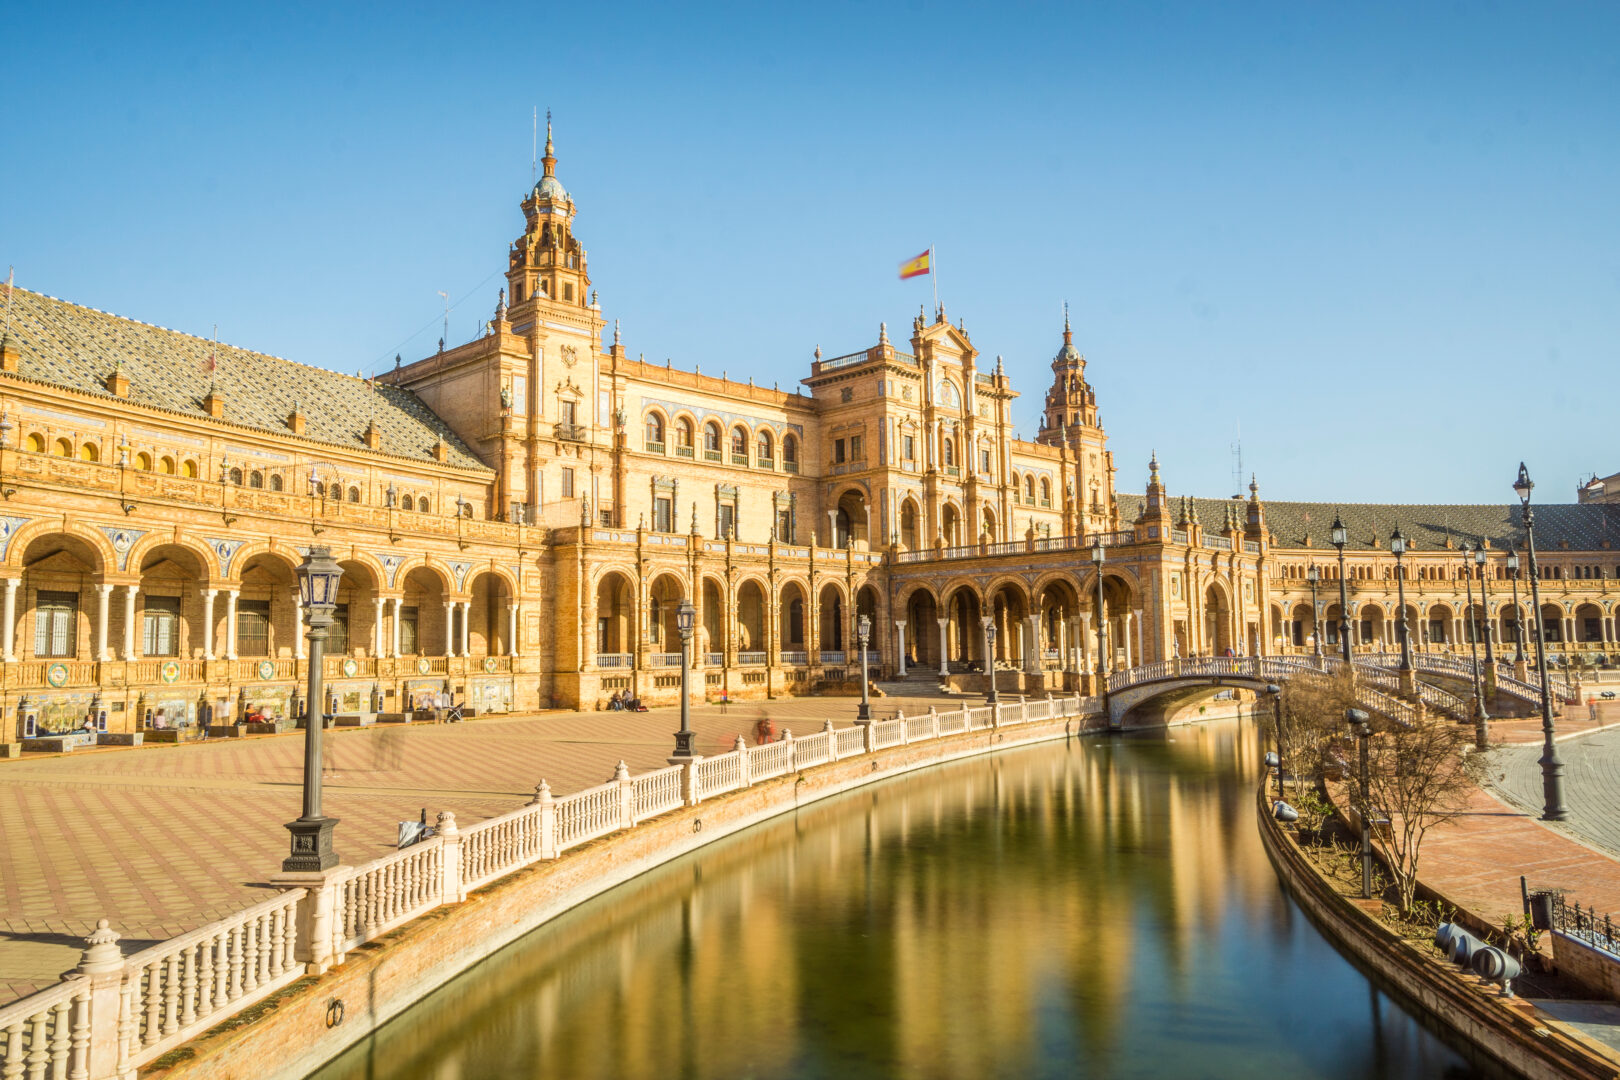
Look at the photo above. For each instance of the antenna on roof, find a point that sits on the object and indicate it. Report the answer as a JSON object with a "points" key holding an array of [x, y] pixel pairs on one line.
{"points": [[534, 150], [446, 318], [1237, 461]]}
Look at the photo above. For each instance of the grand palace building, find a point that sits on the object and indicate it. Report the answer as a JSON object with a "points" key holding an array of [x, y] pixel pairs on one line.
{"points": [[519, 519]]}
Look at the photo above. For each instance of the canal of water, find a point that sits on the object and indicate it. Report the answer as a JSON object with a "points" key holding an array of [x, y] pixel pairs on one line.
{"points": [[1097, 908]]}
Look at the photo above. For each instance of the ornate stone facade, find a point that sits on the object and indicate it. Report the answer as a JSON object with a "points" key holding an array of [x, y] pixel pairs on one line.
{"points": [[520, 517]]}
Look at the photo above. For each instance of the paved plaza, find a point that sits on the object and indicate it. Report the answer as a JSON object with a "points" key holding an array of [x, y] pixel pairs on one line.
{"points": [[1591, 784], [163, 839]]}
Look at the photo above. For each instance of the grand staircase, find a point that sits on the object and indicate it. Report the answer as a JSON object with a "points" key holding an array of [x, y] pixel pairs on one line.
{"points": [[918, 683]]}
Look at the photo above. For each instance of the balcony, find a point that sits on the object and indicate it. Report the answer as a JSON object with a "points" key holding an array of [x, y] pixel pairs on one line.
{"points": [[683, 451], [655, 448], [711, 455], [739, 459], [790, 466], [571, 432], [766, 463]]}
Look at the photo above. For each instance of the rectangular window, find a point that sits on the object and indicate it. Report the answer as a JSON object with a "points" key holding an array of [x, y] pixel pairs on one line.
{"points": [[856, 452], [408, 636], [253, 628], [784, 526], [1366, 631], [160, 626], [520, 395], [56, 618], [337, 636], [984, 461], [568, 483], [908, 446], [1594, 629], [728, 520], [569, 411], [663, 515], [838, 451]]}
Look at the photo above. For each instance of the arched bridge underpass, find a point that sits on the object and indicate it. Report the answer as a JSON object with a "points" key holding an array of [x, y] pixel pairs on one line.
{"points": [[1188, 678]]}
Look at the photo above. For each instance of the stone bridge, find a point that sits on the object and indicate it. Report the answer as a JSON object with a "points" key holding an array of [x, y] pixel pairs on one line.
{"points": [[1167, 683]]}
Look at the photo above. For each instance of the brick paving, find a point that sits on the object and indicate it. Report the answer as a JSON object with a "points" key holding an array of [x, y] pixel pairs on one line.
{"points": [[1591, 785], [162, 839]]}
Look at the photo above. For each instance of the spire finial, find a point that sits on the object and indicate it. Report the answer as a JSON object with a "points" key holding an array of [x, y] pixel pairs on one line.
{"points": [[615, 333], [1068, 334], [883, 333], [550, 160]]}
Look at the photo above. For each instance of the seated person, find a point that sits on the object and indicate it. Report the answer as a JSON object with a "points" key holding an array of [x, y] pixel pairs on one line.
{"points": [[89, 724], [636, 705]]}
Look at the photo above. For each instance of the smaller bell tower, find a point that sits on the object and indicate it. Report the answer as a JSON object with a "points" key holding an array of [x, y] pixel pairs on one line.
{"points": [[546, 265]]}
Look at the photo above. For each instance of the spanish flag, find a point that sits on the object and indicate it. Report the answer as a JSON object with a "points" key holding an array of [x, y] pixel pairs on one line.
{"points": [[917, 267]]}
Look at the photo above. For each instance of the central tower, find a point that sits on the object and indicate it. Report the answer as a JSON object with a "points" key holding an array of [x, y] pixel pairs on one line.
{"points": [[546, 265]]}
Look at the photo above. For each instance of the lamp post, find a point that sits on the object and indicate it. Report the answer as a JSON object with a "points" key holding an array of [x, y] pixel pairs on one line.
{"points": [[1485, 602], [1481, 726], [312, 851], [1552, 766], [863, 630], [1102, 618], [1397, 544], [685, 620], [1518, 615], [1276, 710], [1314, 576], [1339, 535], [1361, 729], [989, 625]]}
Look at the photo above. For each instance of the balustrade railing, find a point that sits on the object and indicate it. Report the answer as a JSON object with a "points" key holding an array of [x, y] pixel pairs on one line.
{"points": [[614, 660], [657, 791], [752, 658], [375, 898], [833, 656], [719, 774], [795, 657], [664, 659]]}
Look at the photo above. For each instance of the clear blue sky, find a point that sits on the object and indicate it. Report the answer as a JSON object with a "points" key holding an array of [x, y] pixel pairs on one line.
{"points": [[1381, 240]]}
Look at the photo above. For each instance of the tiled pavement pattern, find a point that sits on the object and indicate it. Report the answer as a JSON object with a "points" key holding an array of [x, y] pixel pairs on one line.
{"points": [[160, 840], [1591, 786]]}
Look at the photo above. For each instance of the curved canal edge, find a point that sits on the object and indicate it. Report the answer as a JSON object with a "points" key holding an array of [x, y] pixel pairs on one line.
{"points": [[293, 1033], [1510, 1031]]}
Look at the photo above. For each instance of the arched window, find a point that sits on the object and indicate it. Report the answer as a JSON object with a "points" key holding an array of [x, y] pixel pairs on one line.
{"points": [[236, 477], [166, 465], [655, 433], [422, 505], [739, 442], [188, 469], [61, 448], [143, 461], [88, 452], [711, 438], [336, 491], [354, 494], [255, 479], [275, 482], [766, 448], [35, 444], [405, 503], [1046, 492], [948, 451], [683, 436], [1029, 489], [317, 488], [790, 450]]}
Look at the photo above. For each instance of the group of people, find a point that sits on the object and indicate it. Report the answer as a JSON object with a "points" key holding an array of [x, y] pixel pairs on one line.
{"points": [[624, 701]]}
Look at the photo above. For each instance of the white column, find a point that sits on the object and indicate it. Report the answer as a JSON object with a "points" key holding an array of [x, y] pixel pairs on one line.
{"points": [[129, 620], [298, 627], [103, 603], [1125, 634], [1063, 643], [512, 629], [208, 622], [1032, 646], [832, 528], [8, 646], [944, 670], [900, 628], [230, 624], [377, 603], [449, 628], [1139, 656], [466, 628], [399, 603]]}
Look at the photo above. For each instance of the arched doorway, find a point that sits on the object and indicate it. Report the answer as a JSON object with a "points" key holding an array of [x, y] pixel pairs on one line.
{"points": [[425, 625], [832, 623], [751, 646], [712, 621], [922, 629], [866, 604], [490, 616], [791, 633], [950, 526], [1217, 621], [615, 620], [909, 535], [849, 521], [663, 608], [966, 630], [1009, 611]]}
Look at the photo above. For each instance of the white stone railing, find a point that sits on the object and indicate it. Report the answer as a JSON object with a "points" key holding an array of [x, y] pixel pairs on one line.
{"points": [[115, 1014]]}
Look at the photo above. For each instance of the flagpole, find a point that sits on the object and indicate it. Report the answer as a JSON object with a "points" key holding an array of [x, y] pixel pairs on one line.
{"points": [[933, 272]]}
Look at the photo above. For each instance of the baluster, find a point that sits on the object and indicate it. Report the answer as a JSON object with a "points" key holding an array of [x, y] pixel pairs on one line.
{"points": [[38, 1059], [154, 1003], [61, 1038], [81, 1036], [171, 994], [267, 945], [250, 957], [14, 1052], [233, 959], [222, 969], [278, 922], [289, 937], [188, 986], [205, 977]]}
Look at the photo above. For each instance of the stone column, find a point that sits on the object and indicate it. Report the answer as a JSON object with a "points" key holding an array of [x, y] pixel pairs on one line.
{"points": [[129, 620], [944, 650], [8, 646], [298, 627], [103, 603], [377, 603], [230, 623], [1140, 657], [208, 622], [1032, 649], [466, 628], [1125, 636], [512, 629], [900, 631], [399, 605], [449, 628]]}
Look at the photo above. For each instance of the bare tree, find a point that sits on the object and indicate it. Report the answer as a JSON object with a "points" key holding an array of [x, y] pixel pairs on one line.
{"points": [[1418, 778], [1312, 711]]}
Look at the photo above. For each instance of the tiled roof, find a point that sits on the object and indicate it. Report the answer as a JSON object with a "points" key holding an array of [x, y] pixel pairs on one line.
{"points": [[78, 347], [1425, 526]]}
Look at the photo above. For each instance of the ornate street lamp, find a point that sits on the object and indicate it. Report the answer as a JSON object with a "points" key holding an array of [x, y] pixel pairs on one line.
{"points": [[989, 625], [1276, 709], [1485, 602], [1361, 729], [1518, 615], [1481, 720], [863, 630], [1314, 576], [1340, 536], [1552, 766], [1102, 617], [1397, 544], [312, 851], [685, 620]]}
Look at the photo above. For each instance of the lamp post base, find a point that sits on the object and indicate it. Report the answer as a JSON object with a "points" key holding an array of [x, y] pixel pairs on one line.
{"points": [[864, 712], [312, 849], [683, 743]]}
